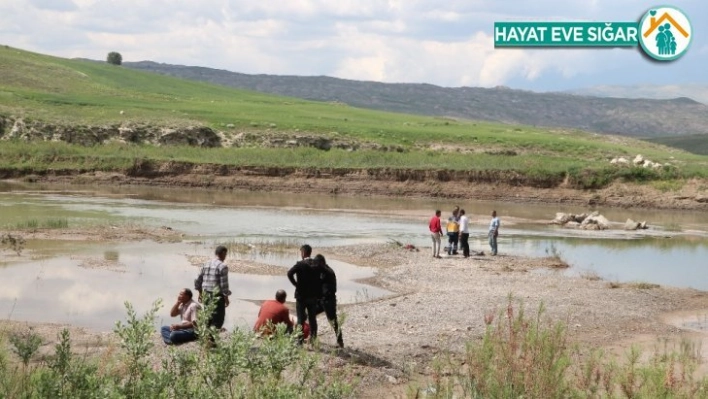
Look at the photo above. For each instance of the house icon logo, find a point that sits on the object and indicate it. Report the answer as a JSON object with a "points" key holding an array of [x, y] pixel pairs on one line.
{"points": [[665, 33]]}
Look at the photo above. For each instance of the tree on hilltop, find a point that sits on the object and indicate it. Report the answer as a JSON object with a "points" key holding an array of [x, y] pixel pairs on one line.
{"points": [[114, 58]]}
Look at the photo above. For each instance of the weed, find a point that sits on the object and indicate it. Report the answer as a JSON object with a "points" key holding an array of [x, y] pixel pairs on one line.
{"points": [[614, 284], [643, 285], [590, 275], [13, 242], [526, 357]]}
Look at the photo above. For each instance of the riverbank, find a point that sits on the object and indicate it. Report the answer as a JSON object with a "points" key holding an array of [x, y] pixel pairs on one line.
{"points": [[439, 304], [689, 194]]}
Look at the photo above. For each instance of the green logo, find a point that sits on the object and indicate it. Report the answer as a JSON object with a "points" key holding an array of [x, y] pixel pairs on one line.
{"points": [[664, 33]]}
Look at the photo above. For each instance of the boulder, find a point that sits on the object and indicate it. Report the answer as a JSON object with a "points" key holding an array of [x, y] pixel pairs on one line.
{"points": [[572, 224], [638, 160], [580, 217], [595, 222], [561, 218], [631, 225], [643, 225], [622, 160]]}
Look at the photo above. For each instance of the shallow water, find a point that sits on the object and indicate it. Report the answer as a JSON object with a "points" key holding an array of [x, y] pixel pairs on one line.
{"points": [[55, 289]]}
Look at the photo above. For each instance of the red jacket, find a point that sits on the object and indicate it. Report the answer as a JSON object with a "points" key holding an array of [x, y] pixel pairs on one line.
{"points": [[435, 225]]}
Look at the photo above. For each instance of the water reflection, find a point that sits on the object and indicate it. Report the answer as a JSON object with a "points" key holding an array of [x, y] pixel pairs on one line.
{"points": [[58, 290]]}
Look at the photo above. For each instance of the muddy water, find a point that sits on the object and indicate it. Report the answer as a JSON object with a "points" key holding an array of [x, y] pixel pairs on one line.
{"points": [[55, 289]]}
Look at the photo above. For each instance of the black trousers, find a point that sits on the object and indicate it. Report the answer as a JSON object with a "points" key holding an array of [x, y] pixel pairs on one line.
{"points": [[306, 308], [219, 314], [329, 304], [464, 243]]}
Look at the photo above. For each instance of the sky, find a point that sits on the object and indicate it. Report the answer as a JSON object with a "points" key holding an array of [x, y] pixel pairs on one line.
{"points": [[447, 43]]}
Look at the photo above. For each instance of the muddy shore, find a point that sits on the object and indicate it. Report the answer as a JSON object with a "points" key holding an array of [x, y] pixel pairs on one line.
{"points": [[461, 185], [439, 304]]}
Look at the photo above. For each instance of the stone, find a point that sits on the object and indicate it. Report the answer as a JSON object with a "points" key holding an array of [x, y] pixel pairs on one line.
{"points": [[631, 225], [561, 218], [643, 225], [638, 160]]}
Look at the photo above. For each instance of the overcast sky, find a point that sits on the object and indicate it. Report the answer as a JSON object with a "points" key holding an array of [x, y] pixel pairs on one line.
{"points": [[448, 43]]}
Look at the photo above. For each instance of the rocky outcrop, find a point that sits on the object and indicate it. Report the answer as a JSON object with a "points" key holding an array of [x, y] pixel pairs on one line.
{"points": [[638, 161], [29, 130], [297, 139], [593, 221], [632, 225]]}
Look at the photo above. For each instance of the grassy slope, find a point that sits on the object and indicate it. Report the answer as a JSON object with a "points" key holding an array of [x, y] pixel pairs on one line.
{"points": [[696, 143], [65, 91]]}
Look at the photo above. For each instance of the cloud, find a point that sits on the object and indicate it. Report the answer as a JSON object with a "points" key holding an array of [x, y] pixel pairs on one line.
{"points": [[54, 5], [446, 43]]}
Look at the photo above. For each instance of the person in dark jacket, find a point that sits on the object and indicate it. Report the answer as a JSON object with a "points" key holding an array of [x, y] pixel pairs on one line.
{"points": [[305, 276], [329, 296]]}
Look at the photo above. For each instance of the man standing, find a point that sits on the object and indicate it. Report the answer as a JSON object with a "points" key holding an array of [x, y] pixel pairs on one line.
{"points": [[212, 283], [273, 312], [464, 234], [453, 232], [183, 331], [436, 233], [494, 232], [329, 296], [305, 276]]}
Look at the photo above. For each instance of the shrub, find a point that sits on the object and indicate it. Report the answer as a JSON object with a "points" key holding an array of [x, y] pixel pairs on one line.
{"points": [[114, 58]]}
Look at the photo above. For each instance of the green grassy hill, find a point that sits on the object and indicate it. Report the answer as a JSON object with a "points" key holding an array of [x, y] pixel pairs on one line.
{"points": [[695, 143], [83, 93]]}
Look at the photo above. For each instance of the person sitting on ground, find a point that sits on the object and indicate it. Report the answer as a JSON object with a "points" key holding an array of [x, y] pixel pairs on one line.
{"points": [[183, 331], [329, 296], [273, 312]]}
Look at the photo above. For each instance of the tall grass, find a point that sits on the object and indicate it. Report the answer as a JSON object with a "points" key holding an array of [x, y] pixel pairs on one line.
{"points": [[34, 224], [240, 366], [527, 357]]}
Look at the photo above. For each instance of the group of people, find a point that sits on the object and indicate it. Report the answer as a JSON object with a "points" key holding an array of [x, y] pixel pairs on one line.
{"points": [[457, 230], [315, 292]]}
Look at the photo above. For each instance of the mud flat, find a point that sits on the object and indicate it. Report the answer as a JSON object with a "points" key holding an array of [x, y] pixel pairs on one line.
{"points": [[439, 304]]}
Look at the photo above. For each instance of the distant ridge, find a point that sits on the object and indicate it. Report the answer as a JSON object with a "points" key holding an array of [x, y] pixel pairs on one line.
{"points": [[624, 116]]}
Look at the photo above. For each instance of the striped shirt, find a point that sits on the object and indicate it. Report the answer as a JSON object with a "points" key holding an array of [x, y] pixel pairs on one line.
{"points": [[214, 274]]}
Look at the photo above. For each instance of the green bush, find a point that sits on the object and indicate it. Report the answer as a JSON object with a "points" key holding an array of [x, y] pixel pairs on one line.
{"points": [[239, 366]]}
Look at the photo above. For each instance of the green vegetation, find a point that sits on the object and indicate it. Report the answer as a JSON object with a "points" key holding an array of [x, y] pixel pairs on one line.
{"points": [[695, 143], [241, 366], [83, 93], [114, 58], [34, 224], [525, 357]]}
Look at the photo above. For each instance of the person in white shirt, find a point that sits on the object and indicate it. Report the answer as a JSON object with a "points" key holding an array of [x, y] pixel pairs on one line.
{"points": [[494, 232], [464, 233], [183, 331]]}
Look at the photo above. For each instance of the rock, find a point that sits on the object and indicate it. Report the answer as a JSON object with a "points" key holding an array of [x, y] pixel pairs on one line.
{"points": [[631, 225], [613, 161], [572, 224], [643, 225], [638, 160], [230, 125], [580, 218], [391, 379], [622, 160], [561, 218], [595, 222]]}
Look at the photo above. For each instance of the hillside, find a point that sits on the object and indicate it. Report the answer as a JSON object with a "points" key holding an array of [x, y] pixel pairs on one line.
{"points": [[631, 117], [696, 92], [697, 143], [48, 105]]}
